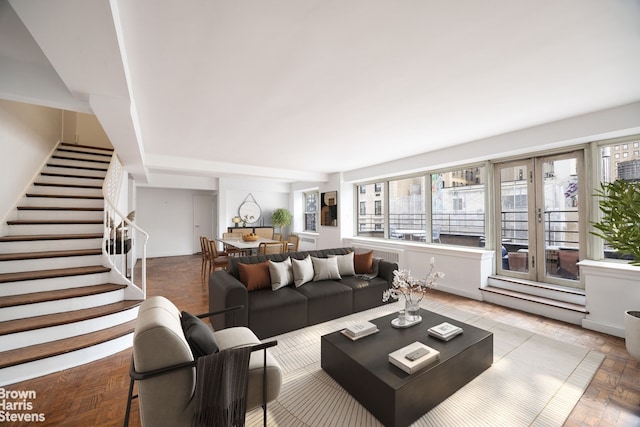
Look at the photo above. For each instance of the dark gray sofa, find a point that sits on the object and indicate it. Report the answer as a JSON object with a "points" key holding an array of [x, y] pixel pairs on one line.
{"points": [[267, 312]]}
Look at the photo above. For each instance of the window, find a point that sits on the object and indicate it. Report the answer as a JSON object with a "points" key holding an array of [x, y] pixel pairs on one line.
{"points": [[370, 210], [406, 209], [457, 205], [311, 211]]}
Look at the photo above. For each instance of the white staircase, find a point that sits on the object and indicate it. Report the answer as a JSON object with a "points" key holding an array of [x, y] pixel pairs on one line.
{"points": [[58, 305]]}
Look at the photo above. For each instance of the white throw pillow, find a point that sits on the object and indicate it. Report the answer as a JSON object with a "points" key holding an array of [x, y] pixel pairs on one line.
{"points": [[325, 269], [345, 264], [302, 271], [281, 273]]}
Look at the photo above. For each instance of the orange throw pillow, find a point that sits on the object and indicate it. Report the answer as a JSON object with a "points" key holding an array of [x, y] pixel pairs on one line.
{"points": [[363, 263], [255, 276]]}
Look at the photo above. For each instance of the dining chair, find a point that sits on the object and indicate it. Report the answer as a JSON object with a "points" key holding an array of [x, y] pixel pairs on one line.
{"points": [[266, 232], [272, 248], [230, 250], [205, 257], [294, 239], [217, 259], [277, 236]]}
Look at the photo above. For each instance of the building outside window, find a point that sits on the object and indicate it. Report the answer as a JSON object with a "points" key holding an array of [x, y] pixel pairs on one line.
{"points": [[370, 216], [407, 209], [311, 211]]}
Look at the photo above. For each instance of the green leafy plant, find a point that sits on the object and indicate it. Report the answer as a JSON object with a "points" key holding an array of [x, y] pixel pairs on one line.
{"points": [[281, 217], [620, 223]]}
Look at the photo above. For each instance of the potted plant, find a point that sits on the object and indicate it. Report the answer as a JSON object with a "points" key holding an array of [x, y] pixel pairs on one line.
{"points": [[619, 226], [281, 217]]}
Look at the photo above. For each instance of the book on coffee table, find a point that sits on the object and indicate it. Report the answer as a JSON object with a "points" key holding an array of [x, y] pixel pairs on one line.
{"points": [[445, 331], [360, 330], [402, 358]]}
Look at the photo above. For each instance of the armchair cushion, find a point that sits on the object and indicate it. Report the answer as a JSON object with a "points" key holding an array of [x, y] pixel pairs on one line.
{"points": [[199, 336]]}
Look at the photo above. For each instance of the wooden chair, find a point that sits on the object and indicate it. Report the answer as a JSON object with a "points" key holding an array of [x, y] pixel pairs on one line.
{"points": [[231, 251], [217, 259], [272, 248], [205, 257], [265, 233], [294, 239], [277, 236]]}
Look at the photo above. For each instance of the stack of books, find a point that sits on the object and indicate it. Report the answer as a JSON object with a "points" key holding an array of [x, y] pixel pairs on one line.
{"points": [[445, 331], [402, 360], [360, 330]]}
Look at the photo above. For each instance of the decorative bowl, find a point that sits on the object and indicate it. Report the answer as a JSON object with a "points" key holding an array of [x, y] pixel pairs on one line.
{"points": [[248, 238]]}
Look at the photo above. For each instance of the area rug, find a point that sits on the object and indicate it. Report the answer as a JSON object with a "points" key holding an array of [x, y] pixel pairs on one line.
{"points": [[534, 380]]}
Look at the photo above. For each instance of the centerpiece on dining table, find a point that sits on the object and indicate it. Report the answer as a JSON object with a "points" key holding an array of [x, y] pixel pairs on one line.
{"points": [[251, 237], [412, 290]]}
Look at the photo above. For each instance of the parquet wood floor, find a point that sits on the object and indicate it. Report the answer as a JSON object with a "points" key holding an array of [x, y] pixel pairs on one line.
{"points": [[95, 394]]}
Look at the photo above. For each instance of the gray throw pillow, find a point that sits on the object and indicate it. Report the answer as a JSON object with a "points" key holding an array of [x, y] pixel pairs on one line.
{"points": [[325, 269], [302, 271], [281, 273], [345, 264]]}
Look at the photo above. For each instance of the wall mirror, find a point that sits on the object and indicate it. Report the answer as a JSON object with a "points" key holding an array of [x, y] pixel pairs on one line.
{"points": [[249, 211]]}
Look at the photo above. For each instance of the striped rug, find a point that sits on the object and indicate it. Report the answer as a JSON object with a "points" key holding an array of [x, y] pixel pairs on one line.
{"points": [[534, 380]]}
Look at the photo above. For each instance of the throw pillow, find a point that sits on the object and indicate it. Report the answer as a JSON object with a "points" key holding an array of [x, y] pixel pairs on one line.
{"points": [[302, 271], [199, 336], [281, 274], [325, 269], [255, 276], [345, 264], [363, 263]]}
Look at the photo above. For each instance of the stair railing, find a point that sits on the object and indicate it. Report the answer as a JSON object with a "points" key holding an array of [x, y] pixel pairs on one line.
{"points": [[122, 237]]}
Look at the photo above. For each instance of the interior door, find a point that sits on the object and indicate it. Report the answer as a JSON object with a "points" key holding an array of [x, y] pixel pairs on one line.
{"points": [[203, 213], [540, 221]]}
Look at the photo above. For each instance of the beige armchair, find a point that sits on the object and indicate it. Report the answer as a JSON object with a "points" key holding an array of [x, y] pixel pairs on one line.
{"points": [[165, 368]]}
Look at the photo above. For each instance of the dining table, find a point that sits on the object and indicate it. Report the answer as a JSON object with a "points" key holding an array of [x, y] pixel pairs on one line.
{"points": [[245, 245]]}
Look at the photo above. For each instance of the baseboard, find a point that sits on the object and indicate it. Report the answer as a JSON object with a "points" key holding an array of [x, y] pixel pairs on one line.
{"points": [[605, 328]]}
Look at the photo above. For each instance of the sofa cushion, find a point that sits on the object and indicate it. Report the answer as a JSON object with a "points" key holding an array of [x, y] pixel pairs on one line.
{"points": [[255, 276], [325, 269], [366, 293], [326, 300], [272, 313], [363, 262], [281, 273], [199, 336], [302, 271], [345, 264]]}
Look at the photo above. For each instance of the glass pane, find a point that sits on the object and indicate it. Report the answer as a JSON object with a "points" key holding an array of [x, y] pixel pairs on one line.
{"points": [[311, 202], [406, 209], [457, 207], [371, 212], [560, 220], [514, 224]]}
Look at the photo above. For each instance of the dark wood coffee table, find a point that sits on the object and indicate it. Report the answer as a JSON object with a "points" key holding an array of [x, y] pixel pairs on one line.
{"points": [[394, 397]]}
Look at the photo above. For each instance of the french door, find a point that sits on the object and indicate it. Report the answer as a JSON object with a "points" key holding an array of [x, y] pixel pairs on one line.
{"points": [[540, 222]]}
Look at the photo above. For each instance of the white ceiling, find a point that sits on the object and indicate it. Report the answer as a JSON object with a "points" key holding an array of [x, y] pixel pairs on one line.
{"points": [[295, 90]]}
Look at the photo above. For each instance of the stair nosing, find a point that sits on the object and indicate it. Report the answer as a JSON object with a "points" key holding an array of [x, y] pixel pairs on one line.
{"points": [[61, 208], [87, 168], [68, 175], [39, 237], [19, 256], [67, 149], [51, 273], [55, 222], [58, 294], [54, 184], [65, 196], [68, 144], [75, 159]]}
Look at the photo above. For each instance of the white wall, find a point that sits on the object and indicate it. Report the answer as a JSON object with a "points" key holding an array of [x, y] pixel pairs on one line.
{"points": [[28, 134], [167, 215]]}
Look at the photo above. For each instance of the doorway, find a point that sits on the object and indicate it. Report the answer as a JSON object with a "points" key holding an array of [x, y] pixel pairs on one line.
{"points": [[540, 223], [203, 219]]}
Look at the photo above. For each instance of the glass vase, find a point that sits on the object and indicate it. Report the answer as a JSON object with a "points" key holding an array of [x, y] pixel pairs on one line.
{"points": [[412, 310]]}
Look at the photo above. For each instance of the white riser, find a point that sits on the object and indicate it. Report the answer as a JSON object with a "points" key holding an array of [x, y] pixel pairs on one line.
{"points": [[85, 149], [39, 336], [67, 191], [62, 202], [78, 164], [69, 181], [81, 156], [551, 312], [60, 306], [25, 214], [43, 285], [49, 245], [39, 368], [49, 263], [557, 295], [36, 229], [72, 171]]}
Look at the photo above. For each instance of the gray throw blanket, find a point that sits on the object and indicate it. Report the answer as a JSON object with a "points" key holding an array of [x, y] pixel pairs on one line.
{"points": [[221, 388], [374, 271]]}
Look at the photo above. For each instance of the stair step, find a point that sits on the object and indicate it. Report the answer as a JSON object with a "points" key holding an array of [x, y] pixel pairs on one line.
{"points": [[28, 238], [537, 299], [63, 157], [49, 320], [88, 168], [53, 184], [49, 254], [70, 175], [54, 221], [59, 294], [87, 147], [50, 274], [64, 196], [65, 149], [60, 208], [55, 348]]}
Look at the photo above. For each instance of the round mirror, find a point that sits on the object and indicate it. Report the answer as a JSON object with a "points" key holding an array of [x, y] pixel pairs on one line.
{"points": [[249, 212]]}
